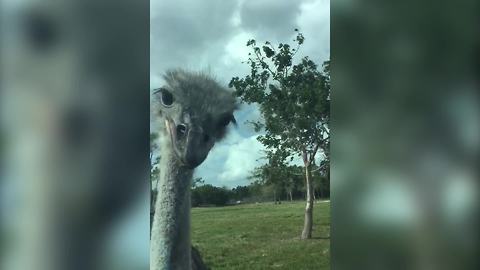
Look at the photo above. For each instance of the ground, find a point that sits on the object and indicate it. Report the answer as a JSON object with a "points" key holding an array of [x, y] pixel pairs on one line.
{"points": [[262, 236]]}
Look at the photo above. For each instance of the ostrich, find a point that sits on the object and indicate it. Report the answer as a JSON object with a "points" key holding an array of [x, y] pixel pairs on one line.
{"points": [[193, 112]]}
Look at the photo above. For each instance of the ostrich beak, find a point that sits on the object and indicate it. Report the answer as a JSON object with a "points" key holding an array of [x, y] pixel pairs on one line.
{"points": [[196, 150], [191, 146], [170, 125]]}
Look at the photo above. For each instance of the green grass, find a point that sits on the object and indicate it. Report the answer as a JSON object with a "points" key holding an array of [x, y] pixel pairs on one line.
{"points": [[261, 236]]}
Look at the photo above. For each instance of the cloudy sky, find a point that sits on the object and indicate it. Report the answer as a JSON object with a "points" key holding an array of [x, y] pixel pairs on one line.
{"points": [[211, 35]]}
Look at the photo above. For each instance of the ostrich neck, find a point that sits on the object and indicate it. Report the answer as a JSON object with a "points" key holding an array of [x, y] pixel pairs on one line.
{"points": [[170, 240]]}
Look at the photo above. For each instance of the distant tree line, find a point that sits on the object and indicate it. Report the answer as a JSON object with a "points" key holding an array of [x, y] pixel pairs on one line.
{"points": [[205, 195], [260, 191]]}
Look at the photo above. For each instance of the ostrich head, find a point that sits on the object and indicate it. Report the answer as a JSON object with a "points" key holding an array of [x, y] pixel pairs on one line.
{"points": [[194, 111]]}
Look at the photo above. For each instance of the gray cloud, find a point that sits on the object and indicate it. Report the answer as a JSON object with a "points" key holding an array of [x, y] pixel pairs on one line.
{"points": [[188, 33], [231, 162], [314, 22], [272, 18]]}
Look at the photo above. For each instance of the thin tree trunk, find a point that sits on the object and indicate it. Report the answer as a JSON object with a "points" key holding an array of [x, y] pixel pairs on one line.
{"points": [[290, 193], [307, 227]]}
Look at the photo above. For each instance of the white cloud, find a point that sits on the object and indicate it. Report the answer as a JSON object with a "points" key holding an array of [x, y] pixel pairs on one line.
{"points": [[314, 22], [242, 159], [231, 162], [235, 50]]}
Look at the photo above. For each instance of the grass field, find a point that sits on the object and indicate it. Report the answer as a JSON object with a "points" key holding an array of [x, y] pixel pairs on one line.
{"points": [[261, 236]]}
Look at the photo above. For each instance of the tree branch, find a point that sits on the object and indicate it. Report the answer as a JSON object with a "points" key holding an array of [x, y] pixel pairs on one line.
{"points": [[317, 169], [259, 59], [312, 155], [304, 156]]}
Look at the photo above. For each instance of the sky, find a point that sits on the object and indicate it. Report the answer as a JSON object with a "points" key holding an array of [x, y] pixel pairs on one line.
{"points": [[211, 36]]}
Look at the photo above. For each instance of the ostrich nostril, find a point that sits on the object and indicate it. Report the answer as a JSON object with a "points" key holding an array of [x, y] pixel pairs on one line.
{"points": [[206, 138], [181, 130]]}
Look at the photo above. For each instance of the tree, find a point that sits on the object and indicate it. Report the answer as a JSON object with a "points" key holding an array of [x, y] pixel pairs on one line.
{"points": [[294, 100], [240, 193], [320, 182], [271, 175], [293, 179], [210, 195], [198, 181]]}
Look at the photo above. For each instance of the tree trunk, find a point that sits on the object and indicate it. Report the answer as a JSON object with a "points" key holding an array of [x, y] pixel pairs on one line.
{"points": [[274, 197], [308, 224], [290, 193]]}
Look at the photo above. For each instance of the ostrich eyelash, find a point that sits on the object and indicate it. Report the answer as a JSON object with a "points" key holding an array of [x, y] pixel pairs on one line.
{"points": [[227, 120], [166, 97]]}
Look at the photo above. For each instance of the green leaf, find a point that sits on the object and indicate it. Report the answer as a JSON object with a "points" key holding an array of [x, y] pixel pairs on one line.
{"points": [[268, 51], [293, 97]]}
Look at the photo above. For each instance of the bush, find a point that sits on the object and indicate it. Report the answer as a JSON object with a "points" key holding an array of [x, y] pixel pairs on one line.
{"points": [[210, 195]]}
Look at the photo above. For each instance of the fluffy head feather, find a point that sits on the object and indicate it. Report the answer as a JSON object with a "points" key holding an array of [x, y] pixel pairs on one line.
{"points": [[195, 111]]}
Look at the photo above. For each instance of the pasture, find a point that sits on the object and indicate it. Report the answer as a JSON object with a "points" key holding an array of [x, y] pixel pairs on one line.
{"points": [[262, 236]]}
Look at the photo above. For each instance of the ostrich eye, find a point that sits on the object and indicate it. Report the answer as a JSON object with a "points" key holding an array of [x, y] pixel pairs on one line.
{"points": [[166, 97], [224, 121], [42, 31]]}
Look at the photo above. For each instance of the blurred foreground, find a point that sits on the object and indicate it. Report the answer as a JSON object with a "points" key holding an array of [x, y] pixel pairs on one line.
{"points": [[74, 128], [406, 129]]}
